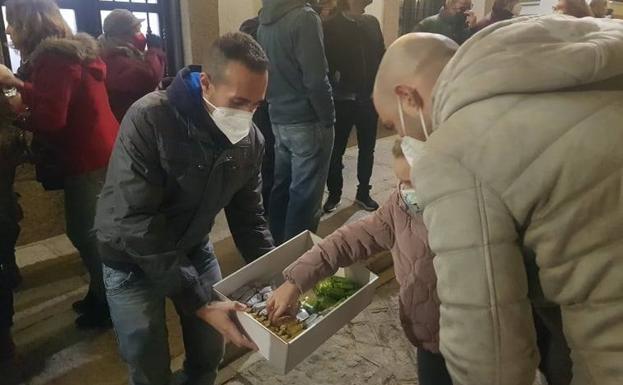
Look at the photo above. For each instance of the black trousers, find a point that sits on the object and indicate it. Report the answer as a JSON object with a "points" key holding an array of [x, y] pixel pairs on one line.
{"points": [[432, 368], [362, 115], [556, 362], [6, 308], [9, 231], [262, 121]]}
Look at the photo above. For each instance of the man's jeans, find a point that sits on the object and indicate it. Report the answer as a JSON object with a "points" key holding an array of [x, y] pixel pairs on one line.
{"points": [[302, 155], [137, 309]]}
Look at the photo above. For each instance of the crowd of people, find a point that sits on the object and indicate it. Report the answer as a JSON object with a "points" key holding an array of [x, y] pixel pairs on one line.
{"points": [[504, 226]]}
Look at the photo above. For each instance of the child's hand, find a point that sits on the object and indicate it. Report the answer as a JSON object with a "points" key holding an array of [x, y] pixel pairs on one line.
{"points": [[283, 301]]}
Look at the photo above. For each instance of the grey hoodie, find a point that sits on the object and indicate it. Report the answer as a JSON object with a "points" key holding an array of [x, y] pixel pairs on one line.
{"points": [[298, 89]]}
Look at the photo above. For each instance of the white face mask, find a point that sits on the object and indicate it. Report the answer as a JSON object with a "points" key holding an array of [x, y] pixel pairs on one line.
{"points": [[234, 124], [411, 147], [517, 9]]}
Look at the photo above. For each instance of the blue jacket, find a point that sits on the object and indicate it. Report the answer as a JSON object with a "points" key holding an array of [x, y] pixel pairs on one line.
{"points": [[298, 88]]}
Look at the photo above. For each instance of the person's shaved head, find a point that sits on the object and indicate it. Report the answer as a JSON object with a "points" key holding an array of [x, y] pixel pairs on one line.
{"points": [[408, 73]]}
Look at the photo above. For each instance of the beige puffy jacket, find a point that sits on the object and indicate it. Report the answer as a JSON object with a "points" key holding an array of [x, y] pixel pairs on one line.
{"points": [[527, 160]]}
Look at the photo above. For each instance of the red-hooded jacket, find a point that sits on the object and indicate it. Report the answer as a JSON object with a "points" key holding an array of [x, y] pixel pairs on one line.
{"points": [[131, 74], [69, 109]]}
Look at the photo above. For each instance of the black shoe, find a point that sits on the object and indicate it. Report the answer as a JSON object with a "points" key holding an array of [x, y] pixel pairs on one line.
{"points": [[84, 305], [332, 203], [7, 347], [364, 200], [96, 318]]}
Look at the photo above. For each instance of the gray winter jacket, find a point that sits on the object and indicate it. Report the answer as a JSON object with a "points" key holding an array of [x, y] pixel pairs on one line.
{"points": [[170, 174], [298, 88], [525, 168]]}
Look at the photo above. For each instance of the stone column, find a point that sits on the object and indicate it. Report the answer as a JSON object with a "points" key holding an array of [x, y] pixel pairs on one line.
{"points": [[200, 27], [233, 12], [388, 13]]}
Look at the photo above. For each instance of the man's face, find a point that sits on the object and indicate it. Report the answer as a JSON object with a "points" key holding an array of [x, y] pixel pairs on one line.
{"points": [[560, 7], [459, 7], [388, 111], [389, 114], [239, 87], [359, 6]]}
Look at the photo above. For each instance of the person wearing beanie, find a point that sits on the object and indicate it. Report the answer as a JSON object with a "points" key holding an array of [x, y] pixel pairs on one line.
{"points": [[135, 63]]}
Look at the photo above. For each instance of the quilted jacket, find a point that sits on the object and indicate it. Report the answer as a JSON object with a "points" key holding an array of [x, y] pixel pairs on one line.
{"points": [[393, 227], [525, 168]]}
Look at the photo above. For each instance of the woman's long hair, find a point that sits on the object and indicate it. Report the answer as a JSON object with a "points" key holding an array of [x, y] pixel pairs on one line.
{"points": [[32, 21]]}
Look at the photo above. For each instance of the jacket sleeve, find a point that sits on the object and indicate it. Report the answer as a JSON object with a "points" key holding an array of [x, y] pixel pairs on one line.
{"points": [[347, 245], [50, 95], [486, 327], [141, 231], [247, 223], [380, 40], [310, 55], [425, 25], [125, 74], [329, 50]]}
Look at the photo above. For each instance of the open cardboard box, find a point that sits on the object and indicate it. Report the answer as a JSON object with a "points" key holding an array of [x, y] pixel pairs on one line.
{"points": [[284, 356]]}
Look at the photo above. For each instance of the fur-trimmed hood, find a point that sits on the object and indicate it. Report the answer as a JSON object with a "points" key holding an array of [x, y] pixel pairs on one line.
{"points": [[80, 46]]}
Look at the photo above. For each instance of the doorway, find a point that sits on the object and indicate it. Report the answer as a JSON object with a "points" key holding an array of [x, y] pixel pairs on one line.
{"points": [[161, 18]]}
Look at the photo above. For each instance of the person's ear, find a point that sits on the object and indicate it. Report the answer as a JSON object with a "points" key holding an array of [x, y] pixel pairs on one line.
{"points": [[206, 82], [410, 98]]}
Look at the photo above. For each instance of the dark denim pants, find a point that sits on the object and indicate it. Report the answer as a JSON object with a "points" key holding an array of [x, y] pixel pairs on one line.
{"points": [[362, 115], [137, 309], [302, 155], [81, 194], [432, 368]]}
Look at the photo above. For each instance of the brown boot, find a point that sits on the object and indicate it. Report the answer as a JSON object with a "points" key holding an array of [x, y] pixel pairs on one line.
{"points": [[7, 347]]}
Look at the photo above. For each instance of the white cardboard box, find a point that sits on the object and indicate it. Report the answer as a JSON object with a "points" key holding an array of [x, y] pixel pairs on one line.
{"points": [[284, 356]]}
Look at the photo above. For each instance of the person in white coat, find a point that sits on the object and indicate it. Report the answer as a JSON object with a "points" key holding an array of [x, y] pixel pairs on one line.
{"points": [[520, 174]]}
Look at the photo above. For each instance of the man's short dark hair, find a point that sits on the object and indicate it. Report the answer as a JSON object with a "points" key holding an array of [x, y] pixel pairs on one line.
{"points": [[235, 46]]}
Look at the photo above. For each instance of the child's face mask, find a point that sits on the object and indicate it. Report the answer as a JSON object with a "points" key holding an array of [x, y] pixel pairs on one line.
{"points": [[408, 196]]}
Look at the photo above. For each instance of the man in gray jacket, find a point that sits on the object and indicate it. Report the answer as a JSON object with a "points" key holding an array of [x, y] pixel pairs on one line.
{"points": [[182, 155], [301, 111]]}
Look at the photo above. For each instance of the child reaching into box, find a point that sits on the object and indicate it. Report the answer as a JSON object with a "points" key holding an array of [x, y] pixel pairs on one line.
{"points": [[396, 226]]}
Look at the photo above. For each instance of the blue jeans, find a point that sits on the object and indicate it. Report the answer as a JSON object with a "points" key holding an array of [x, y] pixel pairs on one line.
{"points": [[137, 309], [302, 156]]}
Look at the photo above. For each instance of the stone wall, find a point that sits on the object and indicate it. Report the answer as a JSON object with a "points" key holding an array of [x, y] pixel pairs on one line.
{"points": [[43, 210]]}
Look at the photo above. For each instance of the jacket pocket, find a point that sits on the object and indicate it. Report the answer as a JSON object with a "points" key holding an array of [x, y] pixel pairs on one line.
{"points": [[302, 139]]}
